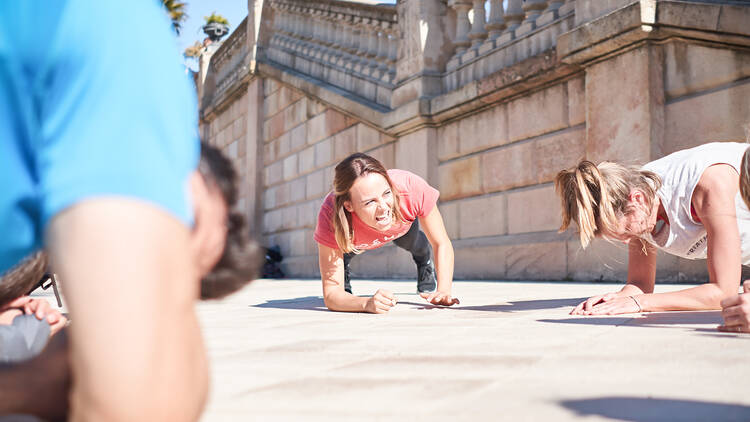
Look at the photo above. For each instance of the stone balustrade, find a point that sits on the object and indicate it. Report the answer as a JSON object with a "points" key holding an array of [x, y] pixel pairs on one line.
{"points": [[478, 38], [228, 64], [348, 45]]}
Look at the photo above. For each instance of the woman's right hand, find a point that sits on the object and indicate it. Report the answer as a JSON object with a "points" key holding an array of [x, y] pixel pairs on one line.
{"points": [[381, 302], [584, 308]]}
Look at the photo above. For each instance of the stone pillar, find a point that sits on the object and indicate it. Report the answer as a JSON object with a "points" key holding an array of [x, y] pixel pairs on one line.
{"points": [[478, 32], [424, 47], [625, 120], [372, 46], [533, 9]]}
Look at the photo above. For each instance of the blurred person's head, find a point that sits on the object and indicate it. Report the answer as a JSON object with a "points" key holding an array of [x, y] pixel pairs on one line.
{"points": [[225, 257], [22, 277]]}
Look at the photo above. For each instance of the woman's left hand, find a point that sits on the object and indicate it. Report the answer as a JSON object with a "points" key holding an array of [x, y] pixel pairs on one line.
{"points": [[440, 298], [615, 306]]}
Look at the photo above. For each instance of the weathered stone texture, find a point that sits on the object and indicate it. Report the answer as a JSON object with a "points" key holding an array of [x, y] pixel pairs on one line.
{"points": [[307, 160], [449, 211], [447, 142], [484, 130], [367, 138], [385, 155], [526, 212], [412, 152], [297, 189], [694, 68], [323, 152], [484, 216], [619, 114], [316, 185], [344, 143], [713, 116], [538, 113], [480, 262], [537, 261], [576, 101], [326, 124], [509, 167], [290, 167], [460, 178], [557, 152]]}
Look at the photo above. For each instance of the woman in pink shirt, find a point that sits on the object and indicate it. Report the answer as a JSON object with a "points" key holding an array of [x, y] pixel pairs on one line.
{"points": [[368, 208]]}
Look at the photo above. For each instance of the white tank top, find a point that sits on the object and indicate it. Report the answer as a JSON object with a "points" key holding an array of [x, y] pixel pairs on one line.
{"points": [[680, 173]]}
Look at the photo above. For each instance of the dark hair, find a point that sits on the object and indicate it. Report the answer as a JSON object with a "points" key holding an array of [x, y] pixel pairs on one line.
{"points": [[21, 278], [240, 262]]}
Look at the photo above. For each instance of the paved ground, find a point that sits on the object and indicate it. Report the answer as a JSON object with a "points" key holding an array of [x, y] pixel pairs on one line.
{"points": [[510, 351]]}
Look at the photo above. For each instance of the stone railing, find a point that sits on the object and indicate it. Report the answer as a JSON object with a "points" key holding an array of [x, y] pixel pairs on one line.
{"points": [[489, 36], [348, 45], [228, 64]]}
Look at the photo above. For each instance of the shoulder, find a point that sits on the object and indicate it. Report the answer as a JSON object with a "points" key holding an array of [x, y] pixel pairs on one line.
{"points": [[719, 183], [406, 180]]}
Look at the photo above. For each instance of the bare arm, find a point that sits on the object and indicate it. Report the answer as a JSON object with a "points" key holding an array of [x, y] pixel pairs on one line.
{"points": [[434, 229], [713, 200], [118, 255], [331, 262]]}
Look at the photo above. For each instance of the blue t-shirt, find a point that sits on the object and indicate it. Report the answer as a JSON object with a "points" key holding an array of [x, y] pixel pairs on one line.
{"points": [[94, 102]]}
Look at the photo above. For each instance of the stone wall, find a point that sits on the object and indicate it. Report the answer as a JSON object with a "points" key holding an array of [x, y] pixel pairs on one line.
{"points": [[612, 88]]}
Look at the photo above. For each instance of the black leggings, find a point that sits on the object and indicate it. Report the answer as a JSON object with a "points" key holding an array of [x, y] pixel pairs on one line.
{"points": [[413, 241]]}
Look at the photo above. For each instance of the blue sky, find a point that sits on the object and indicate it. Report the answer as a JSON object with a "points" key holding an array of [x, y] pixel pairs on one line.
{"points": [[234, 10]]}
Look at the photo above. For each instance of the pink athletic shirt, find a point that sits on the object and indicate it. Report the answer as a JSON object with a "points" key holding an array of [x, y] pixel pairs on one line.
{"points": [[416, 199]]}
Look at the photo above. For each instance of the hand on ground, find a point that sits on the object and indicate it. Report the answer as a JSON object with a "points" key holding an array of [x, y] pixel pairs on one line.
{"points": [[381, 302], [736, 312], [440, 298], [42, 310], [584, 308], [615, 306]]}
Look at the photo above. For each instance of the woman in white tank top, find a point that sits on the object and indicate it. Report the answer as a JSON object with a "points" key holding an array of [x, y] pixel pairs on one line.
{"points": [[686, 204]]}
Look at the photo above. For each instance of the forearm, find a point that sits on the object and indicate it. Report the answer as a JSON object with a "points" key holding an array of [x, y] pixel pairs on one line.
{"points": [[341, 301], [699, 298], [444, 267]]}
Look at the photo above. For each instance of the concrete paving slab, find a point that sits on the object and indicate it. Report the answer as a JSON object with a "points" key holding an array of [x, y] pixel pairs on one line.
{"points": [[509, 351]]}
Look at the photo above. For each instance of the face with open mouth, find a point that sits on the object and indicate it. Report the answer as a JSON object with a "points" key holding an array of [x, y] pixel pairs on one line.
{"points": [[372, 201]]}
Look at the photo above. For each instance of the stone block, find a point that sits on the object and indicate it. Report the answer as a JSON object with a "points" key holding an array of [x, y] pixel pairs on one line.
{"points": [[288, 217], [269, 198], [327, 124], [269, 86], [533, 210], [329, 173], [557, 152], [537, 261], [316, 184], [307, 214], [302, 266], [600, 261], [449, 211], [298, 137], [314, 108], [367, 138], [242, 147], [295, 114], [693, 68], [620, 114], [484, 216], [412, 152], [459, 178], [480, 262], [307, 160], [284, 145], [384, 154], [714, 116], [290, 167], [231, 151], [509, 167], [448, 141], [734, 19], [576, 101], [323, 152], [311, 247], [538, 113], [297, 243], [273, 127], [484, 130], [588, 11], [238, 127], [274, 173], [283, 195], [297, 189], [344, 143]]}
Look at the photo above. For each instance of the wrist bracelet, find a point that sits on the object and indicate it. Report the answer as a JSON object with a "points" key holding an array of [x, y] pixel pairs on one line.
{"points": [[640, 308]]}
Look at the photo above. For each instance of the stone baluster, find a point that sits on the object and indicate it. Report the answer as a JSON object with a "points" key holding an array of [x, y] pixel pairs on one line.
{"points": [[362, 43], [317, 23], [392, 54], [372, 46], [461, 42], [496, 23], [514, 14], [299, 30], [285, 26], [533, 9], [554, 5], [478, 32], [382, 56], [276, 39], [347, 40], [338, 37]]}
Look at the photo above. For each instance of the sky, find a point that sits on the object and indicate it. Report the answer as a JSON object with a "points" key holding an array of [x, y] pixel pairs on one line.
{"points": [[234, 10]]}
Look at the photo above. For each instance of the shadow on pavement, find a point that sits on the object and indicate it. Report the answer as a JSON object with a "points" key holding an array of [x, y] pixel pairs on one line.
{"points": [[308, 303], [523, 305], [648, 319], [657, 409]]}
